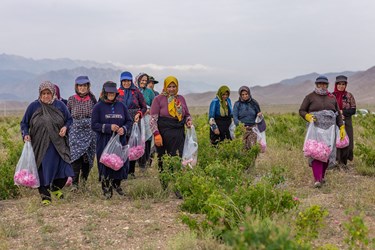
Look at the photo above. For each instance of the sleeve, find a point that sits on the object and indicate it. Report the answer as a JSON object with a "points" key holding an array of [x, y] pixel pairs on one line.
{"points": [[142, 103], [304, 108], [128, 119], [25, 122], [67, 116], [353, 107], [186, 111], [154, 113], [70, 104], [96, 124], [235, 113], [211, 111], [339, 121]]}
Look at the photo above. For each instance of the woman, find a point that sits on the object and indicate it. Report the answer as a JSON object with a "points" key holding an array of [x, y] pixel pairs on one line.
{"points": [[58, 97], [82, 140], [45, 123], [246, 110], [347, 106], [110, 116], [133, 99], [321, 107], [169, 114], [141, 81], [220, 116], [151, 85]]}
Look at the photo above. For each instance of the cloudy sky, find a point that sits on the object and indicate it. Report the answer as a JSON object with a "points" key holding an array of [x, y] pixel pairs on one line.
{"points": [[253, 42]]}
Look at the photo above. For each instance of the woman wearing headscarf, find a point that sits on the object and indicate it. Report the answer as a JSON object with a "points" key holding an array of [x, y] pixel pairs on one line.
{"points": [[169, 115], [347, 106], [320, 107], [133, 99], [141, 81], [220, 116], [82, 139], [46, 123], [110, 116], [246, 110], [58, 96]]}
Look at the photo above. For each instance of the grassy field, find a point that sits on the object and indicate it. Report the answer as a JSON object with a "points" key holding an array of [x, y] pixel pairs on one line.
{"points": [[150, 218]]}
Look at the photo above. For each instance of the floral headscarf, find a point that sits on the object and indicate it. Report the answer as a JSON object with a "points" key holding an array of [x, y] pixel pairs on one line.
{"points": [[223, 103], [174, 105], [51, 87], [138, 79]]}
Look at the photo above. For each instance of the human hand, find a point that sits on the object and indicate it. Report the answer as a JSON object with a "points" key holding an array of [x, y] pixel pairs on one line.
{"points": [[158, 140], [310, 118], [26, 138], [342, 132], [136, 118], [189, 124], [120, 131], [62, 131], [216, 131], [114, 127]]}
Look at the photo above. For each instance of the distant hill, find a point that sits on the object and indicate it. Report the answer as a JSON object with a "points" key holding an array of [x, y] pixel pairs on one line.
{"points": [[292, 91], [20, 78]]}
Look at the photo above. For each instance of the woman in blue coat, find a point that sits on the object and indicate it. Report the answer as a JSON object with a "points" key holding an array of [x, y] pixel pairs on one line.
{"points": [[110, 116], [220, 116], [45, 124]]}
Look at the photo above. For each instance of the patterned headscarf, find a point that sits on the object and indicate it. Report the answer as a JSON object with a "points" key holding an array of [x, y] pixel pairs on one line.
{"points": [[51, 87], [223, 103], [174, 105], [138, 79], [247, 89]]}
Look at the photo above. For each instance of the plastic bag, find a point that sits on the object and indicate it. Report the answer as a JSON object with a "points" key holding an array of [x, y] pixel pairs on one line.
{"points": [[261, 139], [190, 152], [137, 142], [26, 173], [232, 129], [319, 142], [341, 143], [261, 123], [148, 132], [113, 155]]}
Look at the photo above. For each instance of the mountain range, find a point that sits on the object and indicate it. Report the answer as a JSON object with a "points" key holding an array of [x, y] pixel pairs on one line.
{"points": [[20, 78]]}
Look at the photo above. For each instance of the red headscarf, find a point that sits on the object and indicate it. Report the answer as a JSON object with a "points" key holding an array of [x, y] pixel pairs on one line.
{"points": [[339, 95]]}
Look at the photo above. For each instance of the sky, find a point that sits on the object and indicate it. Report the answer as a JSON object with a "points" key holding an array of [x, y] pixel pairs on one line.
{"points": [[233, 42]]}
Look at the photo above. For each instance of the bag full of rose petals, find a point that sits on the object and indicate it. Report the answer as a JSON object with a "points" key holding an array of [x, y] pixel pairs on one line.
{"points": [[26, 173], [113, 154]]}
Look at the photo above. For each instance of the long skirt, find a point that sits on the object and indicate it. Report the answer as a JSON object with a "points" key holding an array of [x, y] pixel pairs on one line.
{"points": [[223, 124]]}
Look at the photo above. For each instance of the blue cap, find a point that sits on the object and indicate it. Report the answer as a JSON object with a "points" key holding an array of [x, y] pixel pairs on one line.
{"points": [[82, 80], [126, 76], [322, 79]]}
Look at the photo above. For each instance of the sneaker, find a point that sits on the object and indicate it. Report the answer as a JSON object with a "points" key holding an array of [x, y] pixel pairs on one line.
{"points": [[46, 202], [317, 184], [107, 192], [120, 191], [58, 194]]}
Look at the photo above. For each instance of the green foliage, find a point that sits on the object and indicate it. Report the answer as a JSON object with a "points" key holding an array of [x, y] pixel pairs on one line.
{"points": [[12, 149], [309, 222], [261, 233], [357, 235]]}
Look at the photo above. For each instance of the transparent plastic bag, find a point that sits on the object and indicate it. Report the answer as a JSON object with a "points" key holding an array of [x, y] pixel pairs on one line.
{"points": [[261, 139], [137, 142], [341, 143], [148, 132], [319, 142], [190, 152], [261, 123], [232, 129], [113, 154], [26, 173]]}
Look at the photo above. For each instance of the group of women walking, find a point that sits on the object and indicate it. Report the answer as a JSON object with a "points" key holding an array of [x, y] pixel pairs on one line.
{"points": [[66, 136]]}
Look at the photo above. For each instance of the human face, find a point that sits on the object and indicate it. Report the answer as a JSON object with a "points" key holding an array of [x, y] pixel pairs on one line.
{"points": [[143, 82], [172, 89], [46, 96], [245, 95], [126, 83], [225, 96], [341, 86], [82, 88], [150, 85], [322, 85], [111, 96]]}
